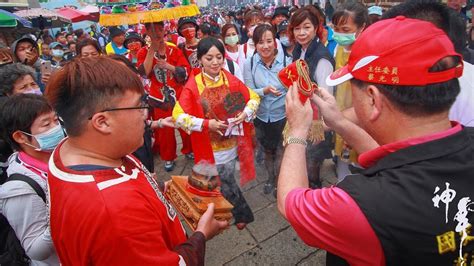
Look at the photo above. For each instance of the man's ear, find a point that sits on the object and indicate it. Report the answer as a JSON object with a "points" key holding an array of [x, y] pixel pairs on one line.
{"points": [[376, 102], [20, 138], [101, 123]]}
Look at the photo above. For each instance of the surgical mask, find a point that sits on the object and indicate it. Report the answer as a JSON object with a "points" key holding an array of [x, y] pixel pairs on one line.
{"points": [[34, 91], [48, 140], [189, 33], [57, 53], [285, 41], [344, 39], [232, 40]]}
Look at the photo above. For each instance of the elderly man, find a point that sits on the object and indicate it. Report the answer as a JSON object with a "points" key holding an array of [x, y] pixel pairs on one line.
{"points": [[417, 165], [94, 182]]}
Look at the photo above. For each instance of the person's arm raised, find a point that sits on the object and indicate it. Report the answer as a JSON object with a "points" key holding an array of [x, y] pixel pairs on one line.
{"points": [[293, 172], [353, 135]]}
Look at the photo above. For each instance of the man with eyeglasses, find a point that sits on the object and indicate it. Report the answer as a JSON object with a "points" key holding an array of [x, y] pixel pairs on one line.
{"points": [[106, 207]]}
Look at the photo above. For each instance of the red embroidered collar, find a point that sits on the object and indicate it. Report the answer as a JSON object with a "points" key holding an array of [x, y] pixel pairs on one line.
{"points": [[369, 158]]}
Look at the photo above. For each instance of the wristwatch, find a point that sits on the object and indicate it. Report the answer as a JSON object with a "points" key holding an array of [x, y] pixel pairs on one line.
{"points": [[295, 140]]}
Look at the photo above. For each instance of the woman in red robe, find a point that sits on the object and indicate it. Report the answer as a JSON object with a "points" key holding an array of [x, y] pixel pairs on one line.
{"points": [[217, 110]]}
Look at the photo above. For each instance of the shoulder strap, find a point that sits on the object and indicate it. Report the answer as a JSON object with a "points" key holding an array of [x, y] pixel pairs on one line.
{"points": [[36, 187], [251, 71], [245, 50], [230, 63]]}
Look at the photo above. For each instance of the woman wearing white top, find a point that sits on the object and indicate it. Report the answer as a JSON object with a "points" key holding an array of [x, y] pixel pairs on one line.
{"points": [[233, 49]]}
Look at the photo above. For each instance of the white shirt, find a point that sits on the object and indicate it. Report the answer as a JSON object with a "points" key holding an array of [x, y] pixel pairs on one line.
{"points": [[463, 108], [323, 69]]}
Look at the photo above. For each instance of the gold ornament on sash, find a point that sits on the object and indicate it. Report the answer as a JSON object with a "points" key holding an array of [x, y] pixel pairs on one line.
{"points": [[298, 72]]}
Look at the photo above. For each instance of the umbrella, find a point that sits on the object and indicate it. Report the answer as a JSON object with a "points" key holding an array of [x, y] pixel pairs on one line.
{"points": [[53, 19], [90, 9], [10, 20], [75, 15]]}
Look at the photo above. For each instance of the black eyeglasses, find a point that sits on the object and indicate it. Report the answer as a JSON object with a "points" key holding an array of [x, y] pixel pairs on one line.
{"points": [[143, 105]]}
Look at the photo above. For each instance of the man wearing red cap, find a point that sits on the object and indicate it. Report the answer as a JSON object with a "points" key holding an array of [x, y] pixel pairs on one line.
{"points": [[411, 205]]}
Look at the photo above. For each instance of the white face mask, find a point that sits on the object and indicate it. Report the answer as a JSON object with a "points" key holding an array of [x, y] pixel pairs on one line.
{"points": [[57, 53], [34, 91]]}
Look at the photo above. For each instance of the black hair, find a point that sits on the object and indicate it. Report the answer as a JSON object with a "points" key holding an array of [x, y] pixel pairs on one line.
{"points": [[206, 28], [123, 59], [206, 44], [59, 33], [149, 24], [426, 100], [357, 11], [10, 73], [18, 112], [437, 13], [87, 42], [260, 30]]}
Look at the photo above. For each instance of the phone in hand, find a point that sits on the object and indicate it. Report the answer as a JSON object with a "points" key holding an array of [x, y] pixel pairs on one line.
{"points": [[46, 67]]}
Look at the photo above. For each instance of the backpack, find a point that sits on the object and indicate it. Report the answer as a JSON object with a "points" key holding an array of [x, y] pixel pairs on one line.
{"points": [[230, 64], [11, 251]]}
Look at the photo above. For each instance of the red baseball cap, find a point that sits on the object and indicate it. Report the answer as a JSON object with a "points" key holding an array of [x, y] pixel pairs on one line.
{"points": [[398, 51]]}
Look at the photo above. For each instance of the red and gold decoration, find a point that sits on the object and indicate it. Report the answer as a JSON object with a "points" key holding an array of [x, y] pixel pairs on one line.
{"points": [[117, 13], [298, 72], [191, 195]]}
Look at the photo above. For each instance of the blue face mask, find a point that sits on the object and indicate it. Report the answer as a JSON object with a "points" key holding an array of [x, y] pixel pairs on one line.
{"points": [[48, 140], [285, 41], [57, 53], [344, 39]]}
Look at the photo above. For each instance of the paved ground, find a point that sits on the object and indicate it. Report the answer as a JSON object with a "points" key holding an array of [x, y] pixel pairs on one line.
{"points": [[269, 240]]}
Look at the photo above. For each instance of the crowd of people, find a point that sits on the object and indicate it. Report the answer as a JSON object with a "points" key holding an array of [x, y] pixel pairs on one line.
{"points": [[82, 116]]}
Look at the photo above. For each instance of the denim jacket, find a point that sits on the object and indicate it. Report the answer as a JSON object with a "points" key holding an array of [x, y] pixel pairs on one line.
{"points": [[257, 76]]}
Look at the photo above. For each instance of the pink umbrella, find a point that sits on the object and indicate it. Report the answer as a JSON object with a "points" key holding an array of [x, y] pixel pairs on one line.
{"points": [[75, 15], [90, 9]]}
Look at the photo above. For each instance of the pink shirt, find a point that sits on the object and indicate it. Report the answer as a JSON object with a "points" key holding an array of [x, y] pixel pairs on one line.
{"points": [[330, 219]]}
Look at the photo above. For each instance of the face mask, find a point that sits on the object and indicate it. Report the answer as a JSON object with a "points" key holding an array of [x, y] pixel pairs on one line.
{"points": [[48, 140], [285, 41], [134, 46], [232, 40], [189, 33], [344, 39], [57, 53], [34, 91]]}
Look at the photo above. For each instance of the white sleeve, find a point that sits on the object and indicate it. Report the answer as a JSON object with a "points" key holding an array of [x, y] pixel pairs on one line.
{"points": [[189, 123], [28, 216], [324, 68], [238, 72]]}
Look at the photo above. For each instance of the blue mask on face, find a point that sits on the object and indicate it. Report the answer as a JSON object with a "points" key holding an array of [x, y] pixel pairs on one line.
{"points": [[48, 140], [285, 41], [57, 53]]}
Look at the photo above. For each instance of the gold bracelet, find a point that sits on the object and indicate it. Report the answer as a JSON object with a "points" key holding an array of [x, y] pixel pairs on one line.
{"points": [[296, 140]]}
